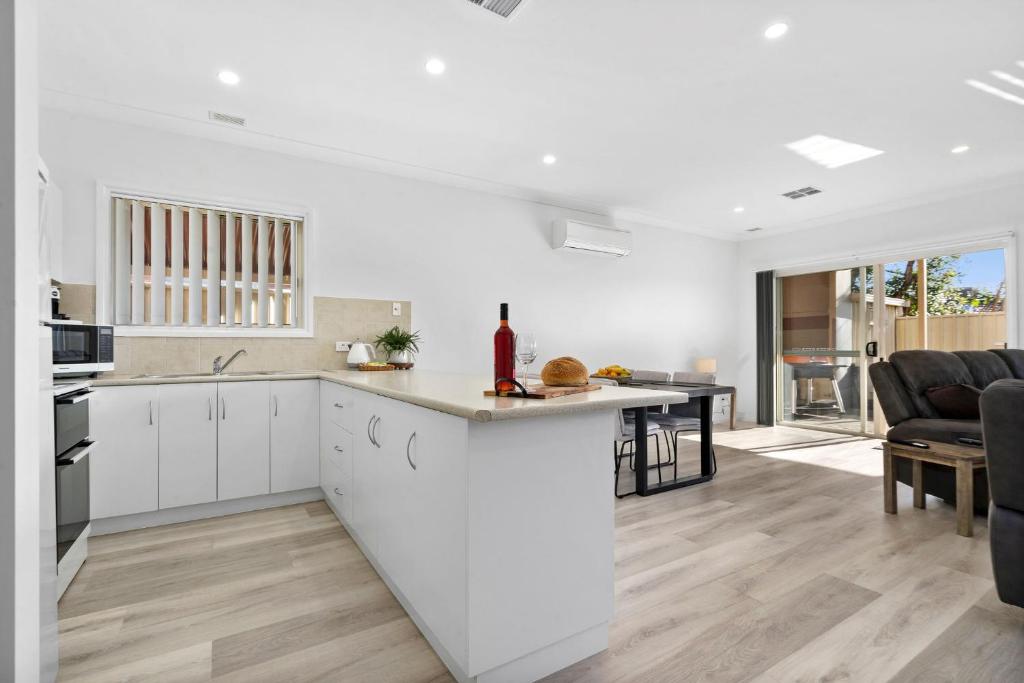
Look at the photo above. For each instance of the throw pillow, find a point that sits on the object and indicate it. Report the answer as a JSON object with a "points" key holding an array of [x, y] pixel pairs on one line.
{"points": [[956, 401]]}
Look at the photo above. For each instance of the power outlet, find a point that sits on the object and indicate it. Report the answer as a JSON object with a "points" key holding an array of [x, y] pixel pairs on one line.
{"points": [[396, 308], [342, 346]]}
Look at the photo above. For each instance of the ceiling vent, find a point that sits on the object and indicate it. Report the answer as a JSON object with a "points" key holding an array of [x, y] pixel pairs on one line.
{"points": [[227, 118], [502, 8], [802, 192]]}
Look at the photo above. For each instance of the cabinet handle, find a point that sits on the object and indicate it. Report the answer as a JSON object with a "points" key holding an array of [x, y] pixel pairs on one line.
{"points": [[376, 424], [338, 405], [151, 413], [368, 434], [209, 408], [223, 409], [407, 455], [275, 406], [338, 492], [339, 449]]}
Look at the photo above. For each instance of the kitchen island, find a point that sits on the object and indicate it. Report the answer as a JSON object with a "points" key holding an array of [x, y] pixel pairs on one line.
{"points": [[490, 519]]}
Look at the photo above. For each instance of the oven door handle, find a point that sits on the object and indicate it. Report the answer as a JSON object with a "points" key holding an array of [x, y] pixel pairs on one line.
{"points": [[73, 398], [79, 453]]}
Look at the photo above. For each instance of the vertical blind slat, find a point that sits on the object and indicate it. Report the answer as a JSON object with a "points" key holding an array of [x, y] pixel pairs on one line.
{"points": [[158, 263], [246, 271], [122, 315], [213, 269], [279, 273], [229, 269], [138, 268], [177, 265], [261, 266], [195, 268], [294, 318]]}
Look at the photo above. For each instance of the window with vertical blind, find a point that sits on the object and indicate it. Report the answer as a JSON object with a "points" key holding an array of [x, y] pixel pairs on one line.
{"points": [[179, 265]]}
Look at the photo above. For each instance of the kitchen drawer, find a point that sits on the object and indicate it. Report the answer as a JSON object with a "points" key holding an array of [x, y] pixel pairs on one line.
{"points": [[336, 404], [336, 447], [337, 487]]}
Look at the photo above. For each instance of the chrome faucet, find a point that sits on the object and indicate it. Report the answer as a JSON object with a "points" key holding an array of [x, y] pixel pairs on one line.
{"points": [[218, 368]]}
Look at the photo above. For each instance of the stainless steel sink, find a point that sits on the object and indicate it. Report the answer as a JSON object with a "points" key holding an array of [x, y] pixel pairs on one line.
{"points": [[175, 376], [241, 373]]}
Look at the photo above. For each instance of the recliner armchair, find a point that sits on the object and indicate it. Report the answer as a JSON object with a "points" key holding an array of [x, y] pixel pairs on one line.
{"points": [[1002, 406]]}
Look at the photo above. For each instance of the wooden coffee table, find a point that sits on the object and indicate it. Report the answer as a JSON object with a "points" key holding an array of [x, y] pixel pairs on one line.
{"points": [[963, 459]]}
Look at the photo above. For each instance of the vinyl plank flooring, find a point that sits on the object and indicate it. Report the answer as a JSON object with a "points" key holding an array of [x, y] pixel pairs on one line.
{"points": [[783, 568]]}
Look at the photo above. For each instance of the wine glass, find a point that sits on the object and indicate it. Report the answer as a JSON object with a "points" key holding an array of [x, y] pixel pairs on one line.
{"points": [[526, 351]]}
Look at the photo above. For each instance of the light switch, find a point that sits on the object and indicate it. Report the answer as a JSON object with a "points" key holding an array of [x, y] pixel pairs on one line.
{"points": [[396, 308]]}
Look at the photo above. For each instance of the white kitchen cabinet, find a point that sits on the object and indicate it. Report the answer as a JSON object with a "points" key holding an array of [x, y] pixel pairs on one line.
{"points": [[243, 439], [336, 405], [124, 465], [294, 462], [188, 444], [366, 485], [394, 492]]}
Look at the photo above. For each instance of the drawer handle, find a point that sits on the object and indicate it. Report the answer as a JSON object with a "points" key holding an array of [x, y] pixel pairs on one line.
{"points": [[407, 455], [369, 435], [376, 424], [338, 492], [339, 449], [338, 405]]}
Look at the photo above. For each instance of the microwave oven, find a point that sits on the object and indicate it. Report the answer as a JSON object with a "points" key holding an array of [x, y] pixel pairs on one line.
{"points": [[80, 350]]}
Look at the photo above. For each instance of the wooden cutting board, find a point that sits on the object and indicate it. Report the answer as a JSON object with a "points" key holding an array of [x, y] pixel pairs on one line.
{"points": [[544, 391]]}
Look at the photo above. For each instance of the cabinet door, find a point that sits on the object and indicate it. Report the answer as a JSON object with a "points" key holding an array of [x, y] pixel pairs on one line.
{"points": [[294, 405], [397, 493], [365, 476], [437, 511], [188, 444], [243, 439], [123, 466]]}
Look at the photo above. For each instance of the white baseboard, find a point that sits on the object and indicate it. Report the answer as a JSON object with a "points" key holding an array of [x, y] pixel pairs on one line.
{"points": [[189, 513]]}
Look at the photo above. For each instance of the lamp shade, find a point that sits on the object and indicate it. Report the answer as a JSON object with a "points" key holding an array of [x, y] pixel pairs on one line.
{"points": [[707, 365]]}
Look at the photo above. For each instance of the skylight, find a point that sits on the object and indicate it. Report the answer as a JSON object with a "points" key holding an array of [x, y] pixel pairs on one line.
{"points": [[831, 152]]}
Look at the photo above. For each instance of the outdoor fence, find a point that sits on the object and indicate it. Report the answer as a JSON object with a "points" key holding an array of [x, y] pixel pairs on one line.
{"points": [[961, 332]]}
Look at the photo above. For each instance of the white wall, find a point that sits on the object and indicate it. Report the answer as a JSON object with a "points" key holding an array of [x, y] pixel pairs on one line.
{"points": [[19, 324], [456, 254], [909, 232]]}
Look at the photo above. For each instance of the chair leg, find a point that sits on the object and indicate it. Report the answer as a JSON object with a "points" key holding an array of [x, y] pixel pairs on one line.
{"points": [[675, 459], [632, 452], [839, 397], [657, 449]]}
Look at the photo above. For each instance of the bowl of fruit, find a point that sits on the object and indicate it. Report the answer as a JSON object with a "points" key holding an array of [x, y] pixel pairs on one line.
{"points": [[613, 372]]}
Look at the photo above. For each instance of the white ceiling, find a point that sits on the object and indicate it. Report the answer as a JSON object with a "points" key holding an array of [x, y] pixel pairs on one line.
{"points": [[671, 111]]}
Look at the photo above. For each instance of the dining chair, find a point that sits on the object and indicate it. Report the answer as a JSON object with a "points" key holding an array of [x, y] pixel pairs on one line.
{"points": [[625, 434], [659, 415], [685, 417]]}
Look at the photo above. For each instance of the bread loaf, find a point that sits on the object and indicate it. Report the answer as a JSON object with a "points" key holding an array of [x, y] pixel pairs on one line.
{"points": [[564, 372]]}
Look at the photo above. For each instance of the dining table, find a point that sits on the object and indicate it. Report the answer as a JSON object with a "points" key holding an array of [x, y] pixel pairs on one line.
{"points": [[705, 395]]}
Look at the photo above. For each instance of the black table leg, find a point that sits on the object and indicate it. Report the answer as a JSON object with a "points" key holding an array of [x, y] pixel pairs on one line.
{"points": [[640, 444], [706, 446]]}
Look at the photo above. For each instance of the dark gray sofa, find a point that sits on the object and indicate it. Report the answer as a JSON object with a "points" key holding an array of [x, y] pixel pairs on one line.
{"points": [[1002, 405], [901, 384]]}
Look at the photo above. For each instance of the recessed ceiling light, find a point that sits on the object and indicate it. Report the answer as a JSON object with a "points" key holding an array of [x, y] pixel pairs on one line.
{"points": [[549, 159], [960, 149], [228, 77], [776, 31], [831, 152], [434, 66], [738, 209]]}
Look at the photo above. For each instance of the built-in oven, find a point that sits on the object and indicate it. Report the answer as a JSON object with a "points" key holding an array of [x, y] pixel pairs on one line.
{"points": [[80, 349], [72, 446]]}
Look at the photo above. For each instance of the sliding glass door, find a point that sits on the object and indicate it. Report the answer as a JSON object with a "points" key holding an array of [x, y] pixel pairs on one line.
{"points": [[831, 325]]}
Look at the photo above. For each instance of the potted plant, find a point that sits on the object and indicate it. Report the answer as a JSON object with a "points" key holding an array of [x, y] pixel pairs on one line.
{"points": [[398, 345]]}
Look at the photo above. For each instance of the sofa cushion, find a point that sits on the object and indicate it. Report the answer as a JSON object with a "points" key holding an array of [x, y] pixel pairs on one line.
{"points": [[1002, 406], [922, 370], [1014, 359], [985, 367], [956, 401], [935, 429]]}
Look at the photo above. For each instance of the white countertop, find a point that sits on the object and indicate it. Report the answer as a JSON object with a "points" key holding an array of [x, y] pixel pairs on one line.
{"points": [[457, 394]]}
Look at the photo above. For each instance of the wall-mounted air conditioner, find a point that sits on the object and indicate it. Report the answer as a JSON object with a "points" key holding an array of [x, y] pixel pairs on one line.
{"points": [[596, 239]]}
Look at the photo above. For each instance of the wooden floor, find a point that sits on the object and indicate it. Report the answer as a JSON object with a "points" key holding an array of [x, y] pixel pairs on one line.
{"points": [[784, 568]]}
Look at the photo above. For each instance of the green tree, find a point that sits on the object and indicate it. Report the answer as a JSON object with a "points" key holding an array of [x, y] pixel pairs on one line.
{"points": [[946, 295]]}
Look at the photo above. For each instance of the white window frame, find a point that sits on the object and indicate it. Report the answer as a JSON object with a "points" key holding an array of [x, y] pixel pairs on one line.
{"points": [[105, 193]]}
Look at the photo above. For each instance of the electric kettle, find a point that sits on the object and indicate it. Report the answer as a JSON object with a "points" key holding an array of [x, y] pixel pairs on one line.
{"points": [[359, 353]]}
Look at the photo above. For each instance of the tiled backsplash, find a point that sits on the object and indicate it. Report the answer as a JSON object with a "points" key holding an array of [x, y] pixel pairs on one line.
{"points": [[335, 320]]}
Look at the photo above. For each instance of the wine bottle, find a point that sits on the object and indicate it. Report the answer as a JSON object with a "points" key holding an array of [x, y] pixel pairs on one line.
{"points": [[504, 353]]}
